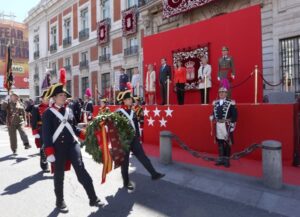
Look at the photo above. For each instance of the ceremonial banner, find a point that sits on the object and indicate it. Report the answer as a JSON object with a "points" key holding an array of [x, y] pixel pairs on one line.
{"points": [[175, 7], [8, 81], [129, 21], [191, 59], [103, 31]]}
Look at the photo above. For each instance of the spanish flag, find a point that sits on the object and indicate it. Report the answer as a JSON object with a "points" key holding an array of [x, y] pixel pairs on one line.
{"points": [[9, 79]]}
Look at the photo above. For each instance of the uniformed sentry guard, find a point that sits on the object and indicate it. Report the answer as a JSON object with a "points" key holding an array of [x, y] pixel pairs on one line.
{"points": [[36, 125], [62, 146], [225, 117], [15, 120], [226, 69], [135, 146]]}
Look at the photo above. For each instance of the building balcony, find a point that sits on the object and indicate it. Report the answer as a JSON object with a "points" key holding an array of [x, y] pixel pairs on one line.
{"points": [[68, 68], [104, 58], [53, 48], [36, 55], [53, 73], [133, 50], [84, 64], [84, 34], [141, 3], [67, 42]]}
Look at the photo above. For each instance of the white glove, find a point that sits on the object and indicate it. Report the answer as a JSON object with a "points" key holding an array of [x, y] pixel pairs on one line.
{"points": [[232, 76], [37, 136], [51, 158], [218, 78], [211, 117], [232, 127]]}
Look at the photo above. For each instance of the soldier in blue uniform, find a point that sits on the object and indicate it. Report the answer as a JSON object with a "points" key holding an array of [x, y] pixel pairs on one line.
{"points": [[62, 147], [36, 125], [123, 80], [225, 117], [136, 145]]}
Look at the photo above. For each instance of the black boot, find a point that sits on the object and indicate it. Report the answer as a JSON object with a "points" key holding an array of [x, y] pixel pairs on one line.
{"points": [[61, 206], [27, 146], [96, 202], [128, 185], [221, 154], [157, 176], [227, 154]]}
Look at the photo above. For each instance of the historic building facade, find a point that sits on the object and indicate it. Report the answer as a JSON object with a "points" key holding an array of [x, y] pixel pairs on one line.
{"points": [[66, 34]]}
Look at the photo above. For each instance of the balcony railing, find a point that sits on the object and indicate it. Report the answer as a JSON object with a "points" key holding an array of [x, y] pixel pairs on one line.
{"points": [[67, 41], [143, 2], [36, 55], [84, 34], [104, 58], [68, 68], [53, 73], [133, 50], [53, 48], [83, 64]]}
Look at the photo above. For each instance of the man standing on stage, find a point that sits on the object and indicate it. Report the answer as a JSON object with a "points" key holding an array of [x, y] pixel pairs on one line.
{"points": [[60, 137], [136, 147], [123, 80], [224, 117], [15, 120], [226, 70], [164, 75], [36, 125]]}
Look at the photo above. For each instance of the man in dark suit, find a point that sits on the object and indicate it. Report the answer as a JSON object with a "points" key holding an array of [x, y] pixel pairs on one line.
{"points": [[123, 80], [164, 75]]}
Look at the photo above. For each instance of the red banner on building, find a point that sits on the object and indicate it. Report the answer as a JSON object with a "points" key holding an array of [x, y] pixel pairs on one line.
{"points": [[129, 21], [174, 7], [103, 31]]}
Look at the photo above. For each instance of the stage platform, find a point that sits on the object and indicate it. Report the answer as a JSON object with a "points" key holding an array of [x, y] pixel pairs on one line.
{"points": [[256, 123]]}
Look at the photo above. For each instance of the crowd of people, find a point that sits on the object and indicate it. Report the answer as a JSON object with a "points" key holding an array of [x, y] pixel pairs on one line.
{"points": [[55, 121]]}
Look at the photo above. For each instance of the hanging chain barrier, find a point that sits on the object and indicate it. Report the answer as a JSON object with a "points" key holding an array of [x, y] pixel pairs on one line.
{"points": [[207, 157], [268, 83]]}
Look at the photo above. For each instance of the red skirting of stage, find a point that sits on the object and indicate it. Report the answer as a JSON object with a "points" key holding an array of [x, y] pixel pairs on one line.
{"points": [[256, 123]]}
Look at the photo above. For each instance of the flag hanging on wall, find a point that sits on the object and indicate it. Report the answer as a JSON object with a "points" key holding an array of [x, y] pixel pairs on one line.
{"points": [[9, 79]]}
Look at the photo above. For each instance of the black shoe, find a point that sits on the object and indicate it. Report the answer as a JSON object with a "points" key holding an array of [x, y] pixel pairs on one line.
{"points": [[96, 202], [15, 153], [46, 170], [62, 207], [219, 163], [227, 164], [27, 146], [158, 176], [129, 186]]}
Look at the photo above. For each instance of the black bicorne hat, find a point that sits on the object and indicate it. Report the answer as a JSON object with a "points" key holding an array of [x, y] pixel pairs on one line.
{"points": [[56, 89]]}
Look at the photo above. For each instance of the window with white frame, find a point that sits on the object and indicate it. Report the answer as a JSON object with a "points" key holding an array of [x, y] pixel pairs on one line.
{"points": [[84, 56], [105, 84], [84, 19], [132, 42], [104, 51], [36, 42], [68, 61], [67, 28], [105, 9], [84, 84], [53, 35], [131, 3]]}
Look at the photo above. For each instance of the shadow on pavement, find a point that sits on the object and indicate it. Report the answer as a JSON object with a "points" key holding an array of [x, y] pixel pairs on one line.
{"points": [[25, 183], [8, 157], [54, 213], [119, 205]]}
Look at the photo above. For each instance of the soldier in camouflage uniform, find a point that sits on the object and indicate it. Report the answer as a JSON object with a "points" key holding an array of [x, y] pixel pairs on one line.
{"points": [[226, 70], [15, 120]]}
